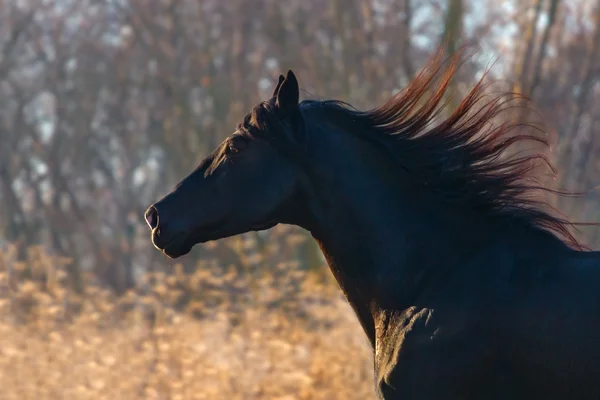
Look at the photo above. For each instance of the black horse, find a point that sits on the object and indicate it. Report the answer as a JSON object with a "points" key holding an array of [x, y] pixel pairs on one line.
{"points": [[465, 283]]}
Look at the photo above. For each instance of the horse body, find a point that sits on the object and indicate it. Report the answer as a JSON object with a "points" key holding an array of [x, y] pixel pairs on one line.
{"points": [[461, 284]]}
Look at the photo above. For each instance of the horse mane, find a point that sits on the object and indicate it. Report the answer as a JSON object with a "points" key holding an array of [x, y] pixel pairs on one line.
{"points": [[462, 158]]}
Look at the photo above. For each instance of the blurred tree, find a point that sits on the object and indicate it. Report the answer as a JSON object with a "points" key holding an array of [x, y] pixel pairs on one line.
{"points": [[453, 28], [104, 106]]}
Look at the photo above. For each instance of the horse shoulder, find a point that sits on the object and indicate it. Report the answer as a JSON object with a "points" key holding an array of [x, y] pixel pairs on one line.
{"points": [[422, 354]]}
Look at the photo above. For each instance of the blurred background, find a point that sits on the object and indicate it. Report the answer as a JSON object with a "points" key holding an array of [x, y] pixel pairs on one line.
{"points": [[106, 104]]}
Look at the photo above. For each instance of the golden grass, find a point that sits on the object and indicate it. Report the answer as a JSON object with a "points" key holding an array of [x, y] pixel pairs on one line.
{"points": [[210, 335]]}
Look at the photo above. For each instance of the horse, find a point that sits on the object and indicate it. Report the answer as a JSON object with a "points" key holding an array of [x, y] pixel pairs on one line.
{"points": [[466, 282]]}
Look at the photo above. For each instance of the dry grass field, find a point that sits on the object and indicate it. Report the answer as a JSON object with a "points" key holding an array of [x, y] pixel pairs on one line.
{"points": [[216, 334]]}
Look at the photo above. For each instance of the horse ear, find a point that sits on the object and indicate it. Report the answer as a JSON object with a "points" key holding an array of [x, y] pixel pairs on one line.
{"points": [[289, 93], [281, 79]]}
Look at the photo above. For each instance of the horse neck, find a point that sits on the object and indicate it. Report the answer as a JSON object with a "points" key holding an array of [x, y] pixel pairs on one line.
{"points": [[382, 239], [375, 239]]}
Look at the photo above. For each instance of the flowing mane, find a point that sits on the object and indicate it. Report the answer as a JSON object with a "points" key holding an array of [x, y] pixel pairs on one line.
{"points": [[462, 158]]}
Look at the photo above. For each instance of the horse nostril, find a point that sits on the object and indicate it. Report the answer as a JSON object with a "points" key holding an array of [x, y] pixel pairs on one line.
{"points": [[152, 217]]}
